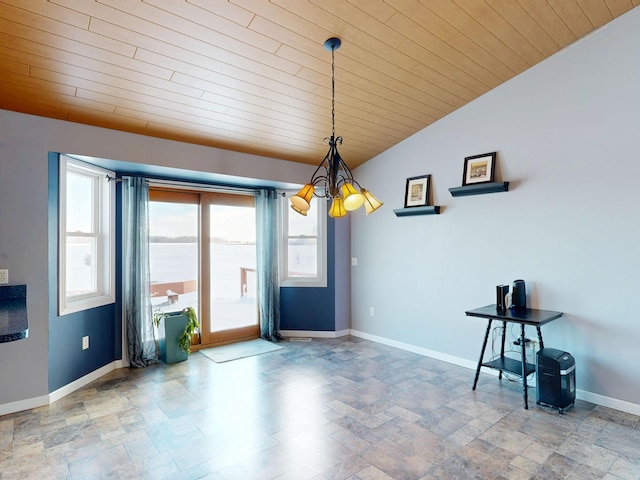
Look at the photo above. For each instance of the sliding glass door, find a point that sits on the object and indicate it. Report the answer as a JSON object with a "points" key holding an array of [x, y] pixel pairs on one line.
{"points": [[203, 254], [230, 259]]}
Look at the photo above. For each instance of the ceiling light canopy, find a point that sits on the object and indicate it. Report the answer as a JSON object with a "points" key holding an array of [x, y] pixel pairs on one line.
{"points": [[333, 179]]}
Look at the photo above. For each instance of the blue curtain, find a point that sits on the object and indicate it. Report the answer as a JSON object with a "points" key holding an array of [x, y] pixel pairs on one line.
{"points": [[267, 271], [137, 296]]}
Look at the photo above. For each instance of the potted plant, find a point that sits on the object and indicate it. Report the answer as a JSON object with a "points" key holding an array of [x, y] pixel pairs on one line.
{"points": [[175, 331]]}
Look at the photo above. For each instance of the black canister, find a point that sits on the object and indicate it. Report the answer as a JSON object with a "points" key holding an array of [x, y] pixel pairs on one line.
{"points": [[518, 295]]}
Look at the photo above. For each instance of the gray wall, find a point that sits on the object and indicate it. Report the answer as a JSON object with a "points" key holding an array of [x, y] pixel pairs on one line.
{"points": [[25, 142], [567, 136]]}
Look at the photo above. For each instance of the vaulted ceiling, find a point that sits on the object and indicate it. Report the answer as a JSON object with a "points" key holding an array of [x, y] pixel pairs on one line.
{"points": [[253, 76]]}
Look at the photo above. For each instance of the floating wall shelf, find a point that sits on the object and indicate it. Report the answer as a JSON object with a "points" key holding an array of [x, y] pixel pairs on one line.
{"points": [[479, 189], [427, 210]]}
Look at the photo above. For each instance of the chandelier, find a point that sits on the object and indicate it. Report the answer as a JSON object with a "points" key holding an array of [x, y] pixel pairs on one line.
{"points": [[333, 178]]}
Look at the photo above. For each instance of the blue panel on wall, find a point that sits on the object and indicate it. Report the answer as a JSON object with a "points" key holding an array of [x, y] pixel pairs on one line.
{"points": [[307, 308], [312, 308], [67, 360]]}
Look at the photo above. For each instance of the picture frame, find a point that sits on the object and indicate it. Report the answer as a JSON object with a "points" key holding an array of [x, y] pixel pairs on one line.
{"points": [[417, 191], [479, 169]]}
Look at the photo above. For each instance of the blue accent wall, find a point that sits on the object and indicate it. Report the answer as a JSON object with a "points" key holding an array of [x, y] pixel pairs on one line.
{"points": [[307, 308], [67, 361], [312, 308]]}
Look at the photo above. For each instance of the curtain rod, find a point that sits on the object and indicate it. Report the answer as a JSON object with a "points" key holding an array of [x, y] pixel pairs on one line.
{"points": [[180, 184]]}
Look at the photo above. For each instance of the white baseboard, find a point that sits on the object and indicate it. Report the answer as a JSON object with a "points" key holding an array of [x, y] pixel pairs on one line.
{"points": [[20, 405], [44, 400], [614, 403], [598, 399], [81, 382], [463, 362], [314, 334]]}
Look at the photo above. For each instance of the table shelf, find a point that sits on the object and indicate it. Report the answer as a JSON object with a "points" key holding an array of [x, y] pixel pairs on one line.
{"points": [[510, 365]]}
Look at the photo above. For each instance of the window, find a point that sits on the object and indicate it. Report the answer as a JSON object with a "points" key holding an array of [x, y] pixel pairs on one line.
{"points": [[303, 252], [87, 237]]}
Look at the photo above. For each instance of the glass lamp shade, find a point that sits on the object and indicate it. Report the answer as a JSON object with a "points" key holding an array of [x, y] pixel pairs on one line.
{"points": [[371, 203], [352, 198], [301, 212], [302, 199], [337, 208]]}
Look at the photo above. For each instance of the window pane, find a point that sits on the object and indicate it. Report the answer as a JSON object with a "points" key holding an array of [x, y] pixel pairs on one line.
{"points": [[301, 225], [233, 267], [81, 266], [80, 198], [302, 244], [173, 255], [303, 257]]}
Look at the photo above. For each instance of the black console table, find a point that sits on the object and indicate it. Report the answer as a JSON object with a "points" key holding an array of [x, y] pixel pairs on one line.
{"points": [[522, 316]]}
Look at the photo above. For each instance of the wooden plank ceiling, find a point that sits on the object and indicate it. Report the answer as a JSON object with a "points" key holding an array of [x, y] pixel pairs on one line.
{"points": [[253, 76]]}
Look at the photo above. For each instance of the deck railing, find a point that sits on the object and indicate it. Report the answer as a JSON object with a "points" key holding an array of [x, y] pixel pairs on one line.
{"points": [[247, 282]]}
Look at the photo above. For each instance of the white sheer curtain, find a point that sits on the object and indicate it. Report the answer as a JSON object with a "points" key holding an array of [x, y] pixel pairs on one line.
{"points": [[267, 271], [141, 343]]}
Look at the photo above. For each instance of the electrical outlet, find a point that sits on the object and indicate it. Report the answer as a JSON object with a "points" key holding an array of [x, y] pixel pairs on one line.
{"points": [[85, 342], [372, 312], [4, 275]]}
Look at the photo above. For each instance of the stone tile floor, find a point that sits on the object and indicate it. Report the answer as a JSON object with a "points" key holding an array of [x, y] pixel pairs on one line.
{"points": [[330, 409]]}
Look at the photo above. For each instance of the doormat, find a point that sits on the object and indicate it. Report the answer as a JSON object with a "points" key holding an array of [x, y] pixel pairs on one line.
{"points": [[234, 351]]}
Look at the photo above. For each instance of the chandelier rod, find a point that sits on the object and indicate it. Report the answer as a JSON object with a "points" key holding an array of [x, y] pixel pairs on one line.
{"points": [[333, 93]]}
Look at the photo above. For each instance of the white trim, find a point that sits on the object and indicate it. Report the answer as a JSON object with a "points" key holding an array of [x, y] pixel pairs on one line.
{"points": [[614, 403], [314, 334], [463, 362], [62, 392], [320, 280], [81, 382], [26, 404], [103, 233], [595, 398]]}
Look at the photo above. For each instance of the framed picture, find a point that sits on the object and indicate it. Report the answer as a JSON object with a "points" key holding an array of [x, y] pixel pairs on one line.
{"points": [[479, 169], [417, 193]]}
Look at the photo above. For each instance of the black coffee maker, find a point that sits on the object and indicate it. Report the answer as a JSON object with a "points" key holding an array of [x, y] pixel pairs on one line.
{"points": [[518, 295]]}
